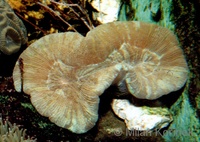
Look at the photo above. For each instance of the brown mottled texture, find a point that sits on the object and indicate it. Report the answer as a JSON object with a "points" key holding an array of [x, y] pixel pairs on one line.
{"points": [[65, 73], [46, 17], [13, 31], [188, 31]]}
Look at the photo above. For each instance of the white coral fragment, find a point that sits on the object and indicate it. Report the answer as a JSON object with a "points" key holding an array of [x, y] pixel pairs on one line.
{"points": [[141, 118], [107, 10]]}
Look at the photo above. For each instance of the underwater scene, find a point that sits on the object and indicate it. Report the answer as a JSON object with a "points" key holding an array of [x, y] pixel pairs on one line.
{"points": [[99, 70]]}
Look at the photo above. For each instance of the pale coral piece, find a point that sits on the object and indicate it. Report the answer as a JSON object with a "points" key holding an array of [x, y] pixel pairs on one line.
{"points": [[108, 10], [141, 118]]}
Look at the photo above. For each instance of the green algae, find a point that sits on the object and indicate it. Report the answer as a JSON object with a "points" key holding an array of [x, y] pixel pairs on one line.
{"points": [[186, 126]]}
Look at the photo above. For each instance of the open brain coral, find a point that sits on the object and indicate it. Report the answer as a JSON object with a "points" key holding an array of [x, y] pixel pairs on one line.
{"points": [[13, 31], [65, 73]]}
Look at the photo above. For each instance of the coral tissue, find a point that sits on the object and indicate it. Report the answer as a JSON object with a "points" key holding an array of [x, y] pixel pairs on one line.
{"points": [[65, 73]]}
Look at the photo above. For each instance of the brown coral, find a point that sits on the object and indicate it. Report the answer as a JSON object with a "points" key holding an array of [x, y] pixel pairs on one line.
{"points": [[65, 73], [13, 31]]}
